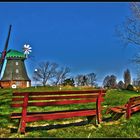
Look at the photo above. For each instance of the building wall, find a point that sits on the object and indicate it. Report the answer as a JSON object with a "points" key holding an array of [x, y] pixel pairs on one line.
{"points": [[15, 74], [19, 84], [15, 70]]}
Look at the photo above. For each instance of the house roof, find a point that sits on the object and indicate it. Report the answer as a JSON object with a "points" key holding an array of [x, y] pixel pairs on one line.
{"points": [[15, 54]]}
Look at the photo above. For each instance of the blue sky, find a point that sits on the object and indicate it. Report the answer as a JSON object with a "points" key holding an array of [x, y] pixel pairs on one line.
{"points": [[80, 35]]}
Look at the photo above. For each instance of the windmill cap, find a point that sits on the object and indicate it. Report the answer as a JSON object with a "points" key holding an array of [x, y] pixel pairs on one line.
{"points": [[15, 54]]}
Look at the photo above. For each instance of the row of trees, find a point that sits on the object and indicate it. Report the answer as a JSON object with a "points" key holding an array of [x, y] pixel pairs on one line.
{"points": [[111, 81], [48, 73], [86, 80]]}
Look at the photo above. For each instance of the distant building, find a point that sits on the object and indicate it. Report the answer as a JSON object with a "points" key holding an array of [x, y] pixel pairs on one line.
{"points": [[15, 74]]}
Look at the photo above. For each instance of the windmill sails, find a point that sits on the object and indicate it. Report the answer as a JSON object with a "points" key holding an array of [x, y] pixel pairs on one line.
{"points": [[27, 49]]}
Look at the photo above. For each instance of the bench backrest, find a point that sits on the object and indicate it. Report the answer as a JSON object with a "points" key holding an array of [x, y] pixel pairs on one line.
{"points": [[132, 105], [134, 100], [22, 99]]}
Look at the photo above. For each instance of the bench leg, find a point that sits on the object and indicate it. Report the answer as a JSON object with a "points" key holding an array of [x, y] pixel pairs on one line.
{"points": [[128, 111], [128, 115], [22, 126], [99, 118]]}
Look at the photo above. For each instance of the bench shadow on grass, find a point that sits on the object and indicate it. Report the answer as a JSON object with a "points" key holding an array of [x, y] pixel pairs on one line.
{"points": [[114, 117], [49, 127]]}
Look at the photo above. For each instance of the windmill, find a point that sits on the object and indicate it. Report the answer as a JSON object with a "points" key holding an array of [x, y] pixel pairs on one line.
{"points": [[15, 74], [3, 54]]}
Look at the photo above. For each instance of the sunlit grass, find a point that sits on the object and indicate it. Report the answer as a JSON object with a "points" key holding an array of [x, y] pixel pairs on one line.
{"points": [[66, 128]]}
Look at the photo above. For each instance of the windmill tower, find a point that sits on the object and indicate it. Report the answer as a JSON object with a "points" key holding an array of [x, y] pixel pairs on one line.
{"points": [[15, 74]]}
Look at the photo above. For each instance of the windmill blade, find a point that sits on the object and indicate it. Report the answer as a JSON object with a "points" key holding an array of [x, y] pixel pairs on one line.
{"points": [[5, 50], [27, 49], [7, 41], [30, 48]]}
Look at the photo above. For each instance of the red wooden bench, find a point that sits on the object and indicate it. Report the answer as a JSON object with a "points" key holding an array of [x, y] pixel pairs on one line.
{"points": [[56, 98], [132, 106]]}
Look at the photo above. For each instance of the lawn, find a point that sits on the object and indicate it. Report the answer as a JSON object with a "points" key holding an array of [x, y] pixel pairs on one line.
{"points": [[75, 127]]}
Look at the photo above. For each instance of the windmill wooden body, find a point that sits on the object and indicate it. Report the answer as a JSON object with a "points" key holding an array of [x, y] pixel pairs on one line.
{"points": [[15, 74]]}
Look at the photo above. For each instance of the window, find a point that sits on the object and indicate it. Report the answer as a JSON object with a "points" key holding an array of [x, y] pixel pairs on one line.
{"points": [[16, 63], [17, 71], [18, 83]]}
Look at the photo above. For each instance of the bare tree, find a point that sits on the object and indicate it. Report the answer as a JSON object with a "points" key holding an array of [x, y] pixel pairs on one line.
{"points": [[127, 78], [113, 81], [91, 79], [105, 81], [61, 75], [85, 80], [57, 77], [136, 82], [129, 31], [110, 81], [45, 71], [136, 61], [78, 79], [81, 80], [135, 6]]}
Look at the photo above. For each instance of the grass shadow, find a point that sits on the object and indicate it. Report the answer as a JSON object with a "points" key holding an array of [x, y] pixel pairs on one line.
{"points": [[113, 117], [57, 126], [49, 127]]}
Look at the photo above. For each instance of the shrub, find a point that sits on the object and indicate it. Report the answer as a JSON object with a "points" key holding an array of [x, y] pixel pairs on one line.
{"points": [[137, 89], [68, 81], [130, 87]]}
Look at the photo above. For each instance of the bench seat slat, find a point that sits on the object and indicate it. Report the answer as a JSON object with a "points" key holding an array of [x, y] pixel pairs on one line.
{"points": [[53, 103], [117, 109], [135, 103], [134, 98], [18, 115], [60, 115], [136, 108]]}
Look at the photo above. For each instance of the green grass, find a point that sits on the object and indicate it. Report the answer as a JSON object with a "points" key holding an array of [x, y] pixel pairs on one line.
{"points": [[64, 128]]}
